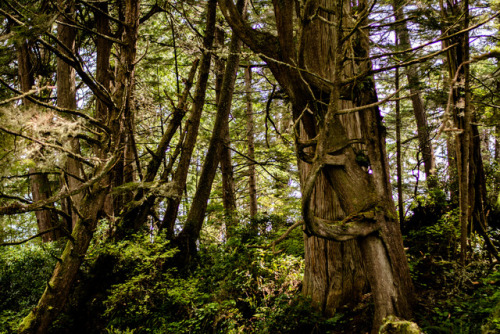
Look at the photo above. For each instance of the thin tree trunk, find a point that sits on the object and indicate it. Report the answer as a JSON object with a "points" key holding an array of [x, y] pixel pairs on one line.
{"points": [[226, 164], [103, 77], [452, 170], [66, 98], [497, 157], [424, 138], [193, 122], [457, 59], [399, 164], [186, 240], [252, 177]]}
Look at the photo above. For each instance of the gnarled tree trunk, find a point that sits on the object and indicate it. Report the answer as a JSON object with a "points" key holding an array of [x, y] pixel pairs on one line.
{"points": [[322, 91]]}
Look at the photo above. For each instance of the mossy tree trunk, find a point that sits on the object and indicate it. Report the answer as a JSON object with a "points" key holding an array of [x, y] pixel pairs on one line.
{"points": [[95, 190]]}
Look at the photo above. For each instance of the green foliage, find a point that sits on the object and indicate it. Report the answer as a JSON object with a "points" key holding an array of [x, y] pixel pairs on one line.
{"points": [[439, 239], [144, 284], [470, 303], [24, 271], [235, 289]]}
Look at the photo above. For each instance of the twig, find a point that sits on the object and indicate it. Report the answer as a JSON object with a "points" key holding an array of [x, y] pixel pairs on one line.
{"points": [[280, 239], [14, 243]]}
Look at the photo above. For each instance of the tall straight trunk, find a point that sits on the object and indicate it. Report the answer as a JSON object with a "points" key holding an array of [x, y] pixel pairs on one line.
{"points": [[452, 169], [226, 164], [459, 104], [122, 117], [187, 238], [66, 98], [39, 181], [103, 77], [424, 138], [252, 177], [399, 164], [497, 157], [193, 123]]}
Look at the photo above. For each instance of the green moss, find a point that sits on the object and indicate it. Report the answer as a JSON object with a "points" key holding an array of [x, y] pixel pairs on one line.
{"points": [[394, 325], [28, 323]]}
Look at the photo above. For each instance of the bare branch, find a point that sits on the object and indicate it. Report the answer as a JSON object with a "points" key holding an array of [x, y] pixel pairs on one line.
{"points": [[14, 243]]}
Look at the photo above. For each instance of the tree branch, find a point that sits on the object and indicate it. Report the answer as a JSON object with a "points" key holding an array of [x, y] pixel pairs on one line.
{"points": [[280, 239], [14, 243]]}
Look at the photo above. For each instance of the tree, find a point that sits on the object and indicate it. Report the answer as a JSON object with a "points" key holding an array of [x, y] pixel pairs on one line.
{"points": [[47, 220], [95, 189], [316, 81], [252, 183], [424, 138], [187, 238]]}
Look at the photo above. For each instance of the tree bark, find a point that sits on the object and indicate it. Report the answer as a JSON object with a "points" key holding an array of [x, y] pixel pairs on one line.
{"points": [[193, 123], [252, 176], [66, 98], [103, 77], [39, 181], [457, 59], [423, 132], [399, 164], [226, 164], [186, 240], [332, 156]]}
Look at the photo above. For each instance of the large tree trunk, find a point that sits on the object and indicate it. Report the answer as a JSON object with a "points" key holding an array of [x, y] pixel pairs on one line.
{"points": [[330, 153], [103, 77], [334, 272]]}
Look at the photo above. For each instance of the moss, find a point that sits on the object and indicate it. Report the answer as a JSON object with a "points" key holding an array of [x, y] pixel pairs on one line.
{"points": [[393, 325], [28, 323]]}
